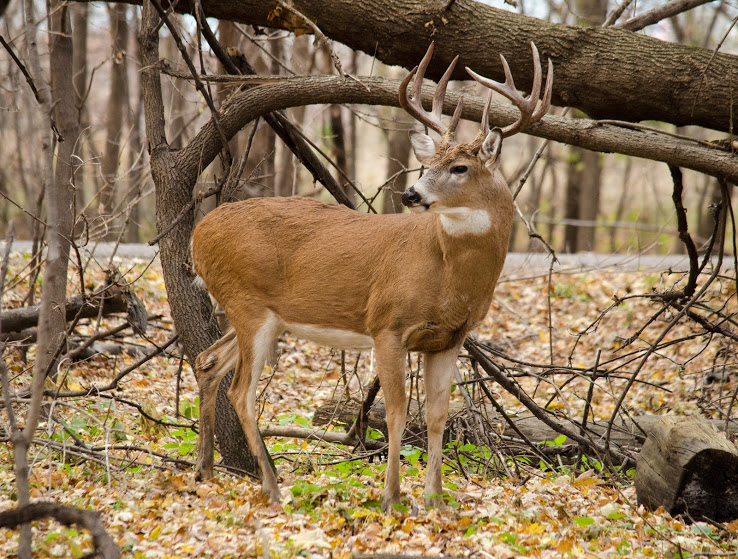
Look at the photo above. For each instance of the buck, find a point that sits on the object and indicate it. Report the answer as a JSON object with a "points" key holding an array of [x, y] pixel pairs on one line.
{"points": [[396, 283]]}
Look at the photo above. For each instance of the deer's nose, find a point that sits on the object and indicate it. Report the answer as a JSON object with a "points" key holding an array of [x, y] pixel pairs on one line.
{"points": [[410, 197]]}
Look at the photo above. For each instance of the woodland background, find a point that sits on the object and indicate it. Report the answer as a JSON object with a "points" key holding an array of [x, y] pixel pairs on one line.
{"points": [[113, 124]]}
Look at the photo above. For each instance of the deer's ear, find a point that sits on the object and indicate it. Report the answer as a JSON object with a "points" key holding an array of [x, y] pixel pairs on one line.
{"points": [[489, 153], [423, 146]]}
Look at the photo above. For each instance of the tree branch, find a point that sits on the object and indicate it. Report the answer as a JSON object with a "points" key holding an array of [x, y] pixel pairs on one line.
{"points": [[88, 519], [247, 105], [604, 72], [235, 63], [670, 9], [288, 431]]}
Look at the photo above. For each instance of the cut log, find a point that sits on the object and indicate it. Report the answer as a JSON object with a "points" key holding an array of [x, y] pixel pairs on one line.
{"points": [[688, 467]]}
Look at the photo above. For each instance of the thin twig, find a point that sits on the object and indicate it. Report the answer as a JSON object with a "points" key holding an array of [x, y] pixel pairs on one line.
{"points": [[614, 15], [652, 347], [22, 68], [320, 36], [198, 84]]}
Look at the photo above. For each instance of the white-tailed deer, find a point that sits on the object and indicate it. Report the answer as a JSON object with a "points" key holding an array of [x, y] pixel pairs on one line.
{"points": [[397, 283]]}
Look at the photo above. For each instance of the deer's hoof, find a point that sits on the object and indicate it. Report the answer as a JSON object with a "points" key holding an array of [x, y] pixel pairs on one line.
{"points": [[389, 501], [435, 501]]}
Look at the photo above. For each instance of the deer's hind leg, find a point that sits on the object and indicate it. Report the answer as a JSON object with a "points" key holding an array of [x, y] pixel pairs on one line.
{"points": [[255, 337], [210, 368]]}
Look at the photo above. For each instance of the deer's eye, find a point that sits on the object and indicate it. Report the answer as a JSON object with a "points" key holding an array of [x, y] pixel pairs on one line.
{"points": [[459, 169]]}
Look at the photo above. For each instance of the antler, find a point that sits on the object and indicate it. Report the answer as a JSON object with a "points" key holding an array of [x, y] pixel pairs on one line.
{"points": [[411, 101], [530, 111]]}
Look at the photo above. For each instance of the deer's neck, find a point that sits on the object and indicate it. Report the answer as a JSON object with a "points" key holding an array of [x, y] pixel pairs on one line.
{"points": [[465, 221], [473, 242]]}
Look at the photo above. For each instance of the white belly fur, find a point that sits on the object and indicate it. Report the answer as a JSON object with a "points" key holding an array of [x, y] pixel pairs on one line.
{"points": [[332, 337]]}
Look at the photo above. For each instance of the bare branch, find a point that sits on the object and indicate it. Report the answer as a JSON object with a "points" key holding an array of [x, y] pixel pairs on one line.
{"points": [[88, 519], [591, 134], [320, 36], [614, 15], [670, 9], [198, 84], [316, 435]]}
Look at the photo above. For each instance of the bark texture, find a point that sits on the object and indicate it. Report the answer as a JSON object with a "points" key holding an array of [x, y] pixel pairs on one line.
{"points": [[605, 72], [686, 466]]}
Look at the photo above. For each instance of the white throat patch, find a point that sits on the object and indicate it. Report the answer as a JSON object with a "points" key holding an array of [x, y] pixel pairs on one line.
{"points": [[464, 221]]}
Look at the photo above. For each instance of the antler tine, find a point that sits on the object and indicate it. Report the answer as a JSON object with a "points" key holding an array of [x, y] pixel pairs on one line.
{"points": [[485, 115], [542, 109], [530, 112], [411, 101], [455, 119], [440, 95]]}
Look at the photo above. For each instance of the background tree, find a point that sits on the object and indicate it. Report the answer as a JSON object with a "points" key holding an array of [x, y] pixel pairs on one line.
{"points": [[582, 197]]}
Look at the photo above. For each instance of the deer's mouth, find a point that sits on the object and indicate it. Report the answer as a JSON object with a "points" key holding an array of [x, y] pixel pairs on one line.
{"points": [[418, 208], [412, 199]]}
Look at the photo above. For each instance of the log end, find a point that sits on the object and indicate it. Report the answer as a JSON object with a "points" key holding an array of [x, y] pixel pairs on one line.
{"points": [[688, 468]]}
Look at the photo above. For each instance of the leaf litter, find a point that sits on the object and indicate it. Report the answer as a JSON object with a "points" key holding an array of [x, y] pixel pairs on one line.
{"points": [[138, 473]]}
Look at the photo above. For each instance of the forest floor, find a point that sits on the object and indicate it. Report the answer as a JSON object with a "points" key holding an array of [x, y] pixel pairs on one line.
{"points": [[98, 452]]}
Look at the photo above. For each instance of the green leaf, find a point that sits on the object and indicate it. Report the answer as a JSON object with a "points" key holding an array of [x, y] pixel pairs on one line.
{"points": [[583, 520], [508, 538], [374, 434], [372, 504]]}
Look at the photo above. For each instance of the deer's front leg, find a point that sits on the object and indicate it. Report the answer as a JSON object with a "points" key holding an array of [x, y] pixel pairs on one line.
{"points": [[390, 355], [439, 369]]}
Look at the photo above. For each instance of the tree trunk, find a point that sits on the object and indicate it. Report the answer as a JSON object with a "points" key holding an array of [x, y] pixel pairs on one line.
{"points": [[582, 199], [192, 312], [176, 100], [604, 72], [137, 157], [583, 186], [117, 101], [259, 169], [686, 466], [336, 130], [79, 55], [398, 158], [58, 104], [289, 169], [708, 202], [79, 80], [60, 197]]}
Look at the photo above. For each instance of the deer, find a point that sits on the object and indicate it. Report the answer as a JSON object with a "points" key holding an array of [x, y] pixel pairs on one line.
{"points": [[395, 283]]}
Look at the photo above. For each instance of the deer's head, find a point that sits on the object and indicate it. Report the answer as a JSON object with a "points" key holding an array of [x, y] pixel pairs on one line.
{"points": [[461, 175]]}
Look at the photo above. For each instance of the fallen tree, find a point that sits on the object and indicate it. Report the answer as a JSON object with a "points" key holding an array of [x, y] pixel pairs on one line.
{"points": [[630, 433], [115, 297], [607, 73]]}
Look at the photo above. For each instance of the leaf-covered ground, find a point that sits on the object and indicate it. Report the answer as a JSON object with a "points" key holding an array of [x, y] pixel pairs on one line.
{"points": [[153, 507]]}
